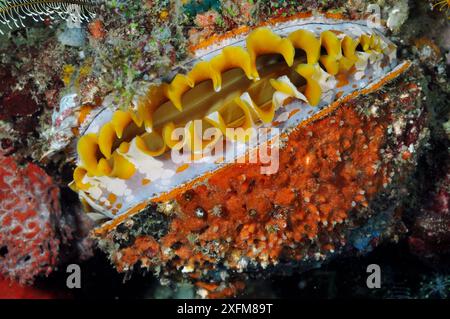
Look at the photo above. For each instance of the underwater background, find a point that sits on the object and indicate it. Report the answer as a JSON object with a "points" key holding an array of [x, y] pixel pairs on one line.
{"points": [[117, 48]]}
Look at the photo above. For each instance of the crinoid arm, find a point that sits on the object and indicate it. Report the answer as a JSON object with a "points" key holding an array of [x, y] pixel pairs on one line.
{"points": [[15, 14]]}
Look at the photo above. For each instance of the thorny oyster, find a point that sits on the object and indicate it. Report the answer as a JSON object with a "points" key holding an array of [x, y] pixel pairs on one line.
{"points": [[278, 76], [316, 79]]}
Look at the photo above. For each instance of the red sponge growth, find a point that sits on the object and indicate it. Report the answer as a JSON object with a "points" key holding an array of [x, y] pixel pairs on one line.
{"points": [[12, 290], [29, 209]]}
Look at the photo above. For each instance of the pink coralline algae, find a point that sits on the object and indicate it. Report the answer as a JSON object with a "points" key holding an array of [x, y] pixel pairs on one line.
{"points": [[29, 209], [207, 19]]}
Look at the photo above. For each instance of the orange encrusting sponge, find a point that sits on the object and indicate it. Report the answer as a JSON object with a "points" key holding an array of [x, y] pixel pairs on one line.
{"points": [[326, 169]]}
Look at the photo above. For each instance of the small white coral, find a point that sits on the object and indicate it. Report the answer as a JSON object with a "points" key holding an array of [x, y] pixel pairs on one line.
{"points": [[397, 15]]}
